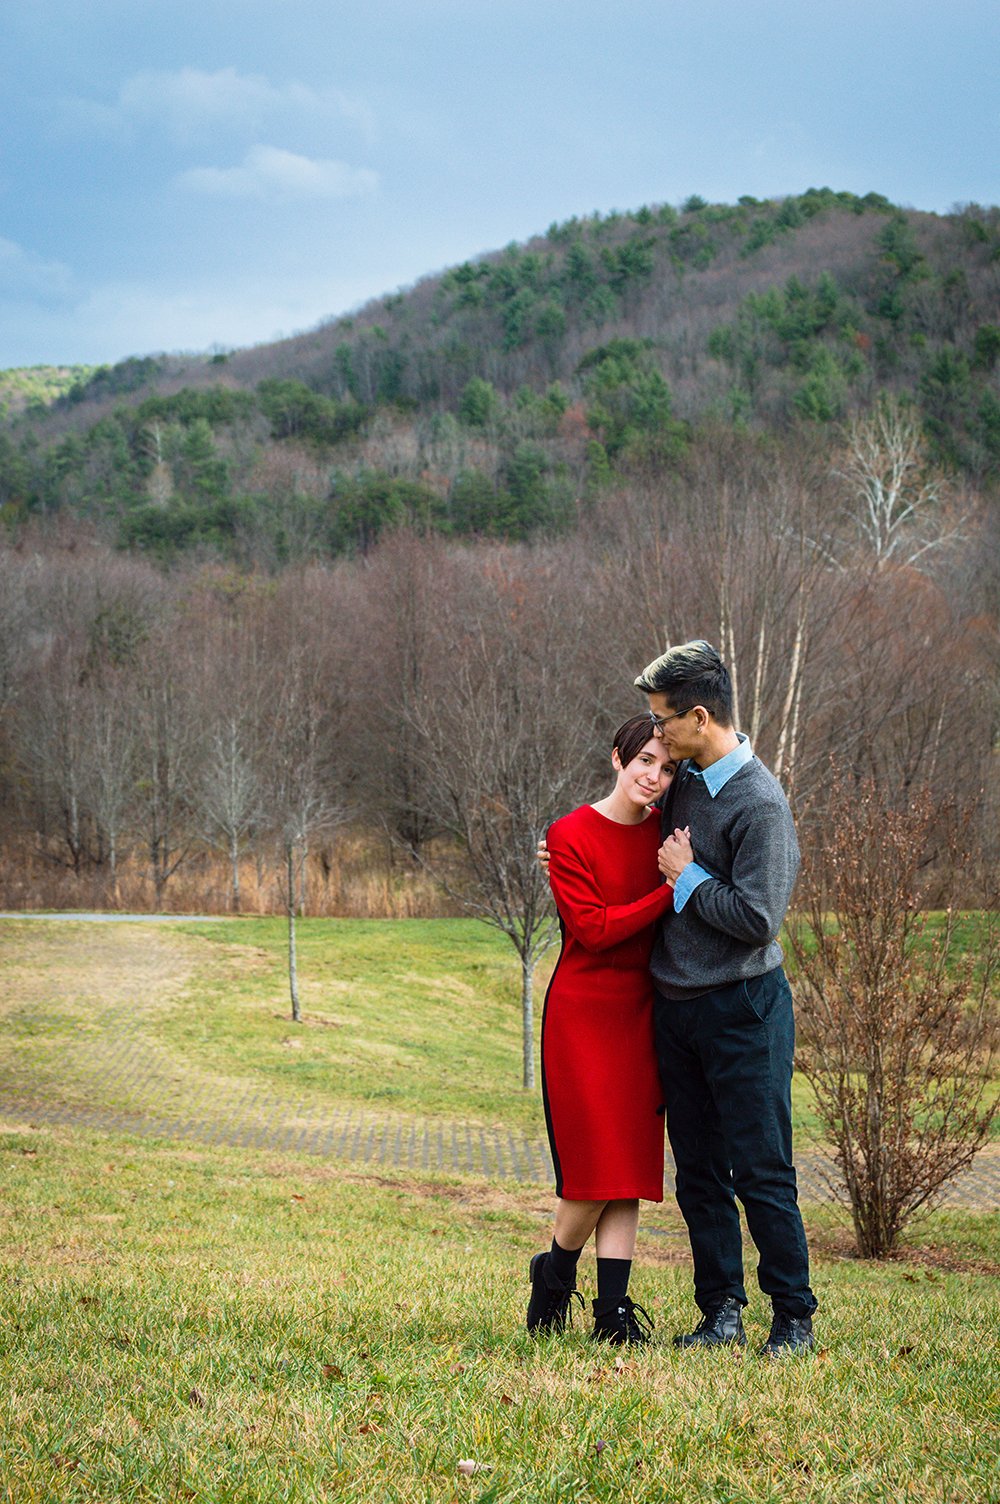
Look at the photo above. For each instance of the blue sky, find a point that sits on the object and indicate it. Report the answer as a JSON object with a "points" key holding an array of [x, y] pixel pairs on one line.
{"points": [[188, 174]]}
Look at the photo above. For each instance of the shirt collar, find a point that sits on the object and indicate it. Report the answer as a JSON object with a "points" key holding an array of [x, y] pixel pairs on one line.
{"points": [[718, 774]]}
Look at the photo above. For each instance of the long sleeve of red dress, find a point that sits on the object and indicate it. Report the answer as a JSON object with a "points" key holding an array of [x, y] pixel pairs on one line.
{"points": [[593, 921]]}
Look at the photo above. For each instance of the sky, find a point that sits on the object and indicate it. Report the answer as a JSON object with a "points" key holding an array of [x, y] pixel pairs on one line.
{"points": [[208, 174]]}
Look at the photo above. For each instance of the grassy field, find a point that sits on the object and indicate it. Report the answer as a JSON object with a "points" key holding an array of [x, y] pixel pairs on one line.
{"points": [[198, 1323], [191, 1324], [416, 1016]]}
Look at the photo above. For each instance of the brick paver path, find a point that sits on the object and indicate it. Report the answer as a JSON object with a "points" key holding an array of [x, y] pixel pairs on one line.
{"points": [[125, 1065], [258, 1120]]}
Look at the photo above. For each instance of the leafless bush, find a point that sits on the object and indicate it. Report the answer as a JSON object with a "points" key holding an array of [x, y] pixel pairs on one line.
{"points": [[898, 1011]]}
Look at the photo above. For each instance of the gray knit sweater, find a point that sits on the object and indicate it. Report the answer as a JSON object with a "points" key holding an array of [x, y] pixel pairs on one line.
{"points": [[728, 929]]}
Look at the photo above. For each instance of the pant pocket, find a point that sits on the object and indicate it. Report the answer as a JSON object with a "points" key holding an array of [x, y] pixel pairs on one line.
{"points": [[755, 995]]}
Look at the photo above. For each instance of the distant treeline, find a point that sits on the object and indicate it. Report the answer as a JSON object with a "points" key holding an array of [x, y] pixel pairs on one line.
{"points": [[446, 698]]}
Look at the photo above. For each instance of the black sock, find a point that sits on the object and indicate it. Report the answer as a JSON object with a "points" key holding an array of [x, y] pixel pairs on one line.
{"points": [[612, 1278], [563, 1262]]}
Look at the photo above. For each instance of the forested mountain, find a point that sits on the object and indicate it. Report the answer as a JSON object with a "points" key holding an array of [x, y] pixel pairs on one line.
{"points": [[501, 397], [37, 387], [371, 600]]}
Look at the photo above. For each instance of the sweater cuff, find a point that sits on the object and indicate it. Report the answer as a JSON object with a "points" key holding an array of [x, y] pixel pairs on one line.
{"points": [[690, 878]]}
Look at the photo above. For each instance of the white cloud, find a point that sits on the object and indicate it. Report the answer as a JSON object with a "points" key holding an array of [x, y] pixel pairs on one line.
{"points": [[24, 274], [270, 173], [190, 103]]}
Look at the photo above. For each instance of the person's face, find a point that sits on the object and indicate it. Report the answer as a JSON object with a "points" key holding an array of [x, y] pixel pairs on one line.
{"points": [[677, 730], [648, 775]]}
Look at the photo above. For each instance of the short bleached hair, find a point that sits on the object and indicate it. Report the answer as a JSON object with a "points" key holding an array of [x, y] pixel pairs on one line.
{"points": [[691, 674]]}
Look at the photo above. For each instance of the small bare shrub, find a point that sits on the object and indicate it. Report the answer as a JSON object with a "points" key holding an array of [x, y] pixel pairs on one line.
{"points": [[898, 1005]]}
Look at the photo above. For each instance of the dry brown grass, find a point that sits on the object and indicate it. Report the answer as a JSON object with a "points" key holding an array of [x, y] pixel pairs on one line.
{"points": [[354, 878]]}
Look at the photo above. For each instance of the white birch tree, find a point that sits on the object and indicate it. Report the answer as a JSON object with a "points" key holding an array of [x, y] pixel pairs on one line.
{"points": [[898, 505]]}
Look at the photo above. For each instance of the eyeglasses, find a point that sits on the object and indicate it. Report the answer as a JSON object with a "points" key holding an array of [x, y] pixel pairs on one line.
{"points": [[659, 721]]}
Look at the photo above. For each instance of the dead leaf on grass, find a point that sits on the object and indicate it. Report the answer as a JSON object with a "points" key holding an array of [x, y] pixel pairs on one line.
{"points": [[332, 1371], [196, 1398]]}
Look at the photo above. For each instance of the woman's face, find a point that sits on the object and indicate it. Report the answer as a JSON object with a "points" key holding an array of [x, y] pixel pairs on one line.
{"points": [[648, 775]]}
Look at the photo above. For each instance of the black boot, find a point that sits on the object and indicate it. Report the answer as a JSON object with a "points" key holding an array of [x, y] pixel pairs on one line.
{"points": [[721, 1327], [789, 1334], [621, 1322], [549, 1306]]}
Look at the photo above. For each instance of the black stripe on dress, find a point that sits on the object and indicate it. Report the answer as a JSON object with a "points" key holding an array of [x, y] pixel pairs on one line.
{"points": [[545, 1094]]}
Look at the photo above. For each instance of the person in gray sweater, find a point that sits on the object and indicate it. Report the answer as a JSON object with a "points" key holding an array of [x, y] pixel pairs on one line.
{"points": [[724, 1027]]}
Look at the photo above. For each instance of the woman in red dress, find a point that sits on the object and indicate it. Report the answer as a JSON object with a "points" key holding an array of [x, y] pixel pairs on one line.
{"points": [[603, 1104]]}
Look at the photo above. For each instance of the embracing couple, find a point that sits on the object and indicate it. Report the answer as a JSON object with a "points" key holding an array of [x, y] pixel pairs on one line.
{"points": [[670, 995]]}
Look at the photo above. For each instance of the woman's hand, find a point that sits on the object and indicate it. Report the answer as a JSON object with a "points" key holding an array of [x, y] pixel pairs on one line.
{"points": [[542, 853], [675, 854]]}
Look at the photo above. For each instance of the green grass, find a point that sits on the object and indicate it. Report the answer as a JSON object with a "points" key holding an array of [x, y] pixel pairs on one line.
{"points": [[426, 1014], [208, 1326], [205, 1324], [418, 1017]]}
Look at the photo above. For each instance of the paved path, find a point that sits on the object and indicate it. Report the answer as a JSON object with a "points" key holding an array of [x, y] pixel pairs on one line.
{"points": [[96, 918], [171, 1098], [360, 1135]]}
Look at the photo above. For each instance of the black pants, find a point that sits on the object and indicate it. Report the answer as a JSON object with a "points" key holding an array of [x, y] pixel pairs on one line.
{"points": [[725, 1062]]}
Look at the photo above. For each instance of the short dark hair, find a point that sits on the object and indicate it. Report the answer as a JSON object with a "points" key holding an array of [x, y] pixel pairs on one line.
{"points": [[688, 675], [631, 736]]}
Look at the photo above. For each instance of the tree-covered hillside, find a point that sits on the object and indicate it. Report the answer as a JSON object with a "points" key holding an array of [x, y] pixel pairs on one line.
{"points": [[500, 398], [37, 387]]}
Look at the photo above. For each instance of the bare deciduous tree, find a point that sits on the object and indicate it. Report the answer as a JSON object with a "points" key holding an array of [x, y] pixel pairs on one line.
{"points": [[898, 504], [14, 627], [304, 796], [166, 724], [53, 747], [898, 1006], [235, 695], [110, 767], [395, 647], [509, 747]]}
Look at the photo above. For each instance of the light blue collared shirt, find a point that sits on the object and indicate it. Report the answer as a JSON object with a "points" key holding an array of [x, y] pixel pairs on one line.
{"points": [[714, 777]]}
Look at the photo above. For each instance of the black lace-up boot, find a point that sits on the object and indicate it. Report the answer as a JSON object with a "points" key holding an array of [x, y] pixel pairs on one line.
{"points": [[789, 1334], [721, 1327], [549, 1307], [621, 1322]]}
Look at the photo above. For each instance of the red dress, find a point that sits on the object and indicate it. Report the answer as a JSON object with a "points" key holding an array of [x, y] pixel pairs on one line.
{"points": [[599, 1079]]}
